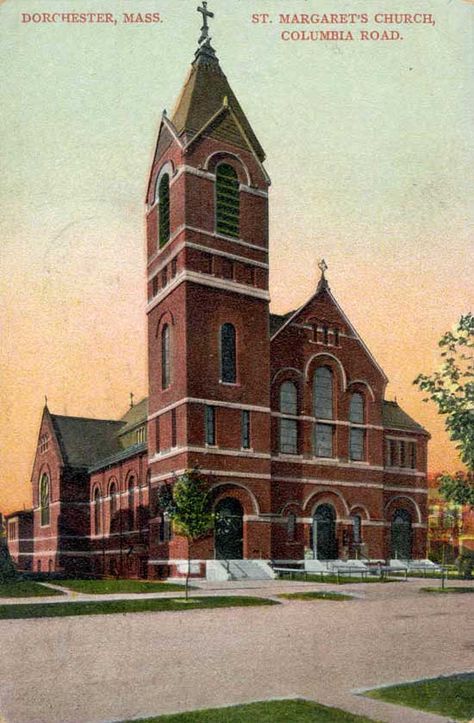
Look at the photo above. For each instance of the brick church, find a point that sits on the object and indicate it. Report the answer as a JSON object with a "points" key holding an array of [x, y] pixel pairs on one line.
{"points": [[284, 414]]}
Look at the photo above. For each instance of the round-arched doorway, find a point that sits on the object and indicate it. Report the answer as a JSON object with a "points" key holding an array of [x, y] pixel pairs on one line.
{"points": [[324, 533], [228, 529], [401, 537]]}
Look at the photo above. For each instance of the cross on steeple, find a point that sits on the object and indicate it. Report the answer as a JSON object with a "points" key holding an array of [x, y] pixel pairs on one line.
{"points": [[322, 266], [205, 27]]}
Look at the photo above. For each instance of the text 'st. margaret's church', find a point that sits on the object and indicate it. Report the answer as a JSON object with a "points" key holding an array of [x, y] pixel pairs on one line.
{"points": [[284, 414]]}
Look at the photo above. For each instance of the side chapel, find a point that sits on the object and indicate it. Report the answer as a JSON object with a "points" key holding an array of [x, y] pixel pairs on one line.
{"points": [[285, 414]]}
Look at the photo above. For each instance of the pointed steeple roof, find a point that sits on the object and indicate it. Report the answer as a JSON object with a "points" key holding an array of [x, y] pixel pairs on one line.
{"points": [[207, 97]]}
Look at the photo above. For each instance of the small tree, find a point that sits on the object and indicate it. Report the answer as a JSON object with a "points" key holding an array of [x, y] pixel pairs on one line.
{"points": [[451, 388], [7, 568], [188, 505]]}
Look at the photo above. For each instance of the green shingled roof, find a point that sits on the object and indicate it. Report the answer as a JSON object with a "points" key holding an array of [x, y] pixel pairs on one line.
{"points": [[84, 441], [394, 417], [135, 416]]}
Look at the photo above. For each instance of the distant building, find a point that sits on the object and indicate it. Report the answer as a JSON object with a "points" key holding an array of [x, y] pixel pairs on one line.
{"points": [[450, 526], [284, 413]]}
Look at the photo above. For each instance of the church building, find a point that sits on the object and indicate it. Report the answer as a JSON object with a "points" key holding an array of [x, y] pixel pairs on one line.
{"points": [[284, 414]]}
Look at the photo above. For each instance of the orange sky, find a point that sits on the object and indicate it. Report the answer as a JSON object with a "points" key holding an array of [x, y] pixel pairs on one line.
{"points": [[369, 147]]}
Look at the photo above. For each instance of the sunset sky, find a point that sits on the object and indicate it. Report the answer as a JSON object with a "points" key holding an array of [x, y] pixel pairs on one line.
{"points": [[370, 148]]}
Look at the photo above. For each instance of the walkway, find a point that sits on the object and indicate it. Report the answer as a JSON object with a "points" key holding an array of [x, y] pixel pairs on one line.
{"points": [[116, 667]]}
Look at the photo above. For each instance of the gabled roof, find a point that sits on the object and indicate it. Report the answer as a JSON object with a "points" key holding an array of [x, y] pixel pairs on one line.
{"points": [[135, 416], [277, 321], [323, 288], [205, 94], [394, 417], [84, 441]]}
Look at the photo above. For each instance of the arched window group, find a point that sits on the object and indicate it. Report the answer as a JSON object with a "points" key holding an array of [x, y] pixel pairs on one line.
{"points": [[45, 499], [324, 413], [164, 209], [227, 200], [228, 372]]}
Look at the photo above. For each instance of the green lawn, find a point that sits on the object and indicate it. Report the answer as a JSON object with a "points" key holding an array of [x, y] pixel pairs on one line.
{"points": [[272, 711], [53, 610], [315, 596], [450, 696], [26, 588], [104, 587], [443, 590]]}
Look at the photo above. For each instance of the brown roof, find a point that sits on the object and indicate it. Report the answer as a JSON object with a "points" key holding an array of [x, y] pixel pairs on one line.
{"points": [[203, 96], [394, 417], [135, 416]]}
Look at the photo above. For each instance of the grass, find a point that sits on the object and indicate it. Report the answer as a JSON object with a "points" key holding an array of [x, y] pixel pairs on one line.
{"points": [[53, 610], [26, 588], [271, 711], [109, 587], [450, 696], [444, 590], [315, 596]]}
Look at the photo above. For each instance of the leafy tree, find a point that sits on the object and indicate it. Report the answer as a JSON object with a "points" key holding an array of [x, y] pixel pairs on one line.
{"points": [[7, 568], [187, 503], [451, 388]]}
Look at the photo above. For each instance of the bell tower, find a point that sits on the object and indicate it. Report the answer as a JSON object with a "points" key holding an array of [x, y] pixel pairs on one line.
{"points": [[207, 264]]}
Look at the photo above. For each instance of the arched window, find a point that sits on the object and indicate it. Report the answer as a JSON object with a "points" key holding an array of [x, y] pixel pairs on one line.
{"points": [[291, 527], [228, 354], [288, 427], [227, 200], [356, 409], [401, 535], [357, 529], [97, 512], [44, 499], [131, 496], [165, 356], [164, 209], [323, 393], [113, 499], [323, 409]]}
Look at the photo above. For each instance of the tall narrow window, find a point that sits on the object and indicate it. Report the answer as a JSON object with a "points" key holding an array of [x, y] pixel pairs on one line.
{"points": [[357, 529], [165, 357], [97, 512], [227, 201], [245, 429], [210, 425], [164, 209], [323, 393], [131, 495], [357, 444], [288, 427], [44, 499], [228, 354], [173, 428], [291, 527], [356, 435], [113, 499]]}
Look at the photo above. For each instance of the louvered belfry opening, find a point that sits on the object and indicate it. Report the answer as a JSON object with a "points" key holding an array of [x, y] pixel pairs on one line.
{"points": [[227, 200], [164, 209]]}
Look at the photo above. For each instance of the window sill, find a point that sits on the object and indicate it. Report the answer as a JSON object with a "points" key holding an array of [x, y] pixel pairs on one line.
{"points": [[229, 384]]}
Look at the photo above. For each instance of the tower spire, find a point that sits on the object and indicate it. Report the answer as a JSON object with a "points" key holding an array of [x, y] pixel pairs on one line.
{"points": [[205, 52]]}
